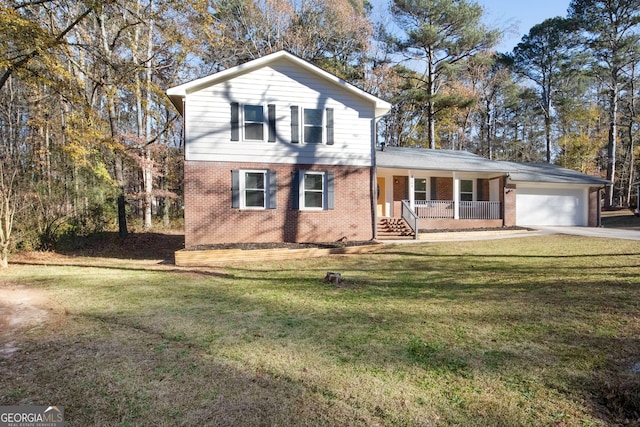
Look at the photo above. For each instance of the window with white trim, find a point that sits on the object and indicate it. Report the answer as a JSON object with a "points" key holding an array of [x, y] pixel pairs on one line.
{"points": [[313, 123], [466, 190], [253, 189], [313, 190], [253, 118], [254, 186], [316, 190], [420, 189]]}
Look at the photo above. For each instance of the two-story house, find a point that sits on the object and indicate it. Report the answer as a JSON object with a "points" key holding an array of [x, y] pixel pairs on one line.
{"points": [[277, 150]]}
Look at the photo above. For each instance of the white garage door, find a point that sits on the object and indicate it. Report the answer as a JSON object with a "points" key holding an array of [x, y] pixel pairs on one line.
{"points": [[551, 206]]}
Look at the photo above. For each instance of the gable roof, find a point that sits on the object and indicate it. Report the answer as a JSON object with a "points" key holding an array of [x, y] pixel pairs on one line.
{"points": [[463, 161], [178, 93]]}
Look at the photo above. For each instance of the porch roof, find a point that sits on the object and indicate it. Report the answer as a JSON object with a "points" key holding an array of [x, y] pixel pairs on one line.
{"points": [[442, 160], [463, 161]]}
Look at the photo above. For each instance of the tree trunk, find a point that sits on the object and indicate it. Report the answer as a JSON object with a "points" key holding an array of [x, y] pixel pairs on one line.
{"points": [[122, 212], [431, 114], [611, 146], [7, 211], [166, 205], [547, 131], [110, 95], [4, 256]]}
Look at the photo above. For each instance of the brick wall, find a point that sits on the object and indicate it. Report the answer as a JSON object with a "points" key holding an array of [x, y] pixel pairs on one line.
{"points": [[510, 206], [594, 207], [400, 188], [210, 219], [443, 188], [483, 190]]}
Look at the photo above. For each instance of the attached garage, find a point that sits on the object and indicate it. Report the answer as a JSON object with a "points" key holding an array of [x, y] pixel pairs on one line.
{"points": [[552, 206], [549, 195]]}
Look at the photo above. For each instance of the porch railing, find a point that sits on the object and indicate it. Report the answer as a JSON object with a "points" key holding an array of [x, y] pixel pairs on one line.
{"points": [[434, 209], [410, 217], [480, 210]]}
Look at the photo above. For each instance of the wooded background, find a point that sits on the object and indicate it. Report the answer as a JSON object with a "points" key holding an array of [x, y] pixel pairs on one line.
{"points": [[89, 141]]}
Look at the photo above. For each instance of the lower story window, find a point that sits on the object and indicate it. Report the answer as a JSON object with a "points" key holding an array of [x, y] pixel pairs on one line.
{"points": [[466, 190], [420, 189], [254, 189], [314, 190], [313, 194]]}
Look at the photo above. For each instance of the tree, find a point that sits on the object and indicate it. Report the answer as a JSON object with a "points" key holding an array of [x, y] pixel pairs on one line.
{"points": [[438, 35], [490, 76], [612, 30], [542, 57], [30, 35], [333, 34]]}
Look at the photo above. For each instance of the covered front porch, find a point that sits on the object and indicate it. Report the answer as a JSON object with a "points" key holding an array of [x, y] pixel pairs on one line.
{"points": [[442, 200]]}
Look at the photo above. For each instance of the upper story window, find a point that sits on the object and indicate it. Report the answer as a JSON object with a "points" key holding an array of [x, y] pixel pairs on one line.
{"points": [[313, 126], [253, 122], [250, 120]]}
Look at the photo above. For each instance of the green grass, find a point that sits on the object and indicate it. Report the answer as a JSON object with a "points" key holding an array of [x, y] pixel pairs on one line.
{"points": [[533, 331]]}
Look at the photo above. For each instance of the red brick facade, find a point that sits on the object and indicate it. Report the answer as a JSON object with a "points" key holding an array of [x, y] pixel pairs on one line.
{"points": [[442, 188], [594, 207], [510, 205], [210, 219]]}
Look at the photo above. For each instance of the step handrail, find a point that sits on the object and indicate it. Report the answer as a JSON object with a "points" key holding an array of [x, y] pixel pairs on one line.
{"points": [[410, 217]]}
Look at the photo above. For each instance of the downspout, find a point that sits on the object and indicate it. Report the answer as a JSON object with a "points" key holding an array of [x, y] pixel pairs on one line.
{"points": [[600, 190], [374, 180], [504, 200]]}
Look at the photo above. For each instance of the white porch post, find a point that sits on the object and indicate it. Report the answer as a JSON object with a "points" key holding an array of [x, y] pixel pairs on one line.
{"points": [[412, 186], [456, 196]]}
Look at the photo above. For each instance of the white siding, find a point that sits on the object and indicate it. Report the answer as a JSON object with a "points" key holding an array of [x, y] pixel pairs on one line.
{"points": [[208, 116]]}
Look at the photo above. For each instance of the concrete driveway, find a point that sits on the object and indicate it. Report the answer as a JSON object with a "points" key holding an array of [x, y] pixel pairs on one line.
{"points": [[607, 233], [461, 236]]}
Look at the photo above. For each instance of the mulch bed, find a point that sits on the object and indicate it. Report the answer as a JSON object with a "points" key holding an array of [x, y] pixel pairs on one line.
{"points": [[282, 245]]}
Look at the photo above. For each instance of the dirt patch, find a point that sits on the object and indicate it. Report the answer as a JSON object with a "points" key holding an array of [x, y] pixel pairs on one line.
{"points": [[138, 246], [21, 309]]}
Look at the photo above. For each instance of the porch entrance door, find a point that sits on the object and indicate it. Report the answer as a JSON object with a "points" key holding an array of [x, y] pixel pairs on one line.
{"points": [[382, 198]]}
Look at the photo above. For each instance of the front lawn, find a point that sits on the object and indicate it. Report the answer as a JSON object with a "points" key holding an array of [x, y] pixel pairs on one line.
{"points": [[530, 331]]}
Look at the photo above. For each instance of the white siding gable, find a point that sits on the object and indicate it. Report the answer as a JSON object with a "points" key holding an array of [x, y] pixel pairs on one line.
{"points": [[283, 84]]}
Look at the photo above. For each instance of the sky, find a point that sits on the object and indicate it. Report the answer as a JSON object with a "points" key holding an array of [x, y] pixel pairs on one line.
{"points": [[514, 17]]}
